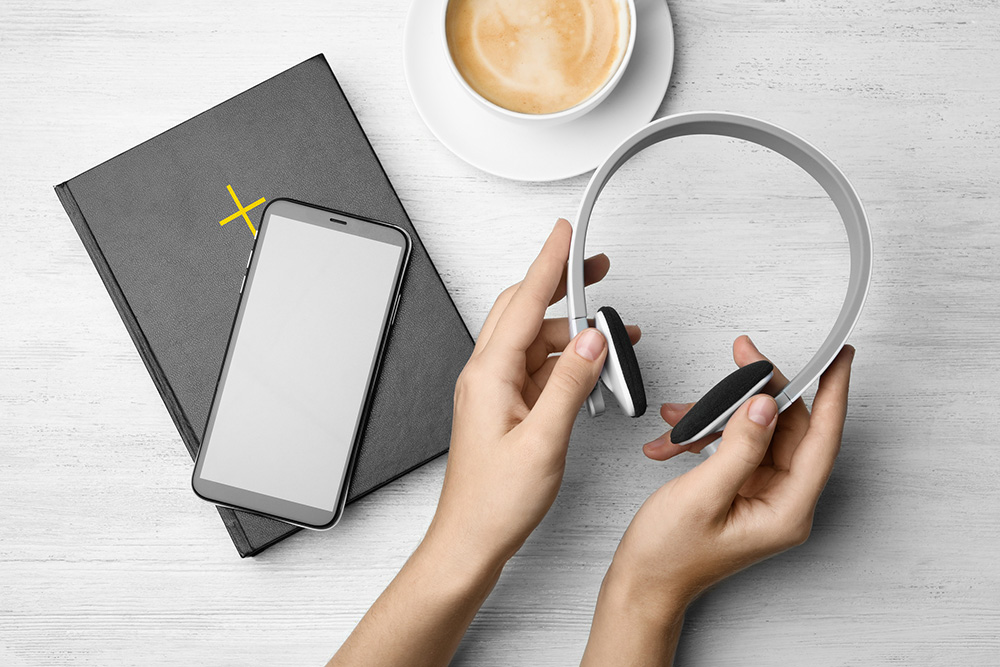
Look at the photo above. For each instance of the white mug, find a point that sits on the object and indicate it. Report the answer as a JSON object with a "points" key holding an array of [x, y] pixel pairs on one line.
{"points": [[626, 11]]}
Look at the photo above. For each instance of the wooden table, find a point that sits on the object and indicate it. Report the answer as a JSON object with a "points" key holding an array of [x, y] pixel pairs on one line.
{"points": [[106, 557]]}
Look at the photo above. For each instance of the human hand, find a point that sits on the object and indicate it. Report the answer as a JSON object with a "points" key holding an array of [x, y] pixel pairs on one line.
{"points": [[514, 409], [753, 498], [515, 405]]}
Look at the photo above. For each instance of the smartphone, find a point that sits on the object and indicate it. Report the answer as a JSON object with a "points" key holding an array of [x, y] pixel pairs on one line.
{"points": [[316, 305]]}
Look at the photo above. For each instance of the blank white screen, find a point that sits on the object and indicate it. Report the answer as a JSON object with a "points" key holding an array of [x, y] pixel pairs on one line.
{"points": [[300, 362]]}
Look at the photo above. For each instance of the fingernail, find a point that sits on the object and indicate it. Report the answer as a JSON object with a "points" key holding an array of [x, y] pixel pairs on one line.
{"points": [[674, 407], [590, 344], [762, 410], [750, 340]]}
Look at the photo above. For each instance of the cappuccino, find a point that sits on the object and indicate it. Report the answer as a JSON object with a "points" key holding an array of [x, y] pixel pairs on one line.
{"points": [[537, 56]]}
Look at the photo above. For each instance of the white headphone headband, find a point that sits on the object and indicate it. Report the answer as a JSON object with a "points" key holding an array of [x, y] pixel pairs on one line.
{"points": [[781, 141]]}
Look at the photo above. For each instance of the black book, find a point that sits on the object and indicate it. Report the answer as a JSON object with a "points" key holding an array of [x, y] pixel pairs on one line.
{"points": [[170, 224]]}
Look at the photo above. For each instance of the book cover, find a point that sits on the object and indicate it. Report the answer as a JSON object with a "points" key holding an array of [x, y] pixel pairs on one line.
{"points": [[170, 224]]}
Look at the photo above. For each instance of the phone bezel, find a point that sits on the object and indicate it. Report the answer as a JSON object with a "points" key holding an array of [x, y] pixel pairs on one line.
{"points": [[298, 514]]}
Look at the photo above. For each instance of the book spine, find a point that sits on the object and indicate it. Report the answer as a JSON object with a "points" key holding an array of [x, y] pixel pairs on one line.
{"points": [[183, 424]]}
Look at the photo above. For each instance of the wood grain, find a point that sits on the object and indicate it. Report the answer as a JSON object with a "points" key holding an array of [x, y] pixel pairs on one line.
{"points": [[107, 558]]}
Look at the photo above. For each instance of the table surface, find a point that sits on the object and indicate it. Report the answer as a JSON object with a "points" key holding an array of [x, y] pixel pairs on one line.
{"points": [[106, 556]]}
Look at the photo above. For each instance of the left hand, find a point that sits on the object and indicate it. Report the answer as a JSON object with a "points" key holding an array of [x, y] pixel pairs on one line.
{"points": [[753, 498], [514, 409]]}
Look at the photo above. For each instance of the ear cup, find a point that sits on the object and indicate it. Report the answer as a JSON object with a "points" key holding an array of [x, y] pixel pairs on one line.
{"points": [[721, 401], [621, 370]]}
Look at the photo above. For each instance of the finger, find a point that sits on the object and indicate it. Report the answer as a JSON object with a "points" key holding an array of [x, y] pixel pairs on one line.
{"points": [[741, 450], [521, 320], [674, 412], [594, 270], [662, 448], [745, 352], [634, 333], [572, 379], [540, 375], [794, 421], [530, 391], [553, 337], [554, 334], [491, 318], [813, 458]]}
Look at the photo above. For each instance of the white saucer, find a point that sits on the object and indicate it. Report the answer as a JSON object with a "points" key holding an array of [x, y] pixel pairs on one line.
{"points": [[524, 152]]}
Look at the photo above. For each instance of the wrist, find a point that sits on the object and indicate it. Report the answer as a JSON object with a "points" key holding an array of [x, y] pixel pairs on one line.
{"points": [[460, 570], [634, 623], [633, 593]]}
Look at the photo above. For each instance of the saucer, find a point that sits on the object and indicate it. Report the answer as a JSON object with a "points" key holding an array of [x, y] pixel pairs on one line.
{"points": [[521, 151]]}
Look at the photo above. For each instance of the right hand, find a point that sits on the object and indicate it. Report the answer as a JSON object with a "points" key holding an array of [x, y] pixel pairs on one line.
{"points": [[753, 498], [515, 405]]}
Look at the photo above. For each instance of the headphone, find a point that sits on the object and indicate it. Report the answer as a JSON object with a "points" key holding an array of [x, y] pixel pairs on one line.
{"points": [[621, 375]]}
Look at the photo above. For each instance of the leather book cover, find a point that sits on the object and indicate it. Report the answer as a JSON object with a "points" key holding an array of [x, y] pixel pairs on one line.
{"points": [[169, 226]]}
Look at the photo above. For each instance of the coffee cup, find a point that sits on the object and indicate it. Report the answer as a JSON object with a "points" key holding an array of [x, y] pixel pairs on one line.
{"points": [[539, 61]]}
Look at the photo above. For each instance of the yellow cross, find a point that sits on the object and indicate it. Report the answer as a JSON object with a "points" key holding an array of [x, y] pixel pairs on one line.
{"points": [[243, 210]]}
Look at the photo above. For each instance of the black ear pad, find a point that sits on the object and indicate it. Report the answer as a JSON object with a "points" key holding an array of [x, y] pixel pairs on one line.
{"points": [[720, 398], [626, 359]]}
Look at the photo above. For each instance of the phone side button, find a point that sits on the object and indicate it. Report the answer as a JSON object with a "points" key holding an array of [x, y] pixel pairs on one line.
{"points": [[395, 309], [243, 283]]}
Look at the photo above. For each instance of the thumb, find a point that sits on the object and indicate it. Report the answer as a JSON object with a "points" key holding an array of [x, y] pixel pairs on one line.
{"points": [[744, 443], [572, 379]]}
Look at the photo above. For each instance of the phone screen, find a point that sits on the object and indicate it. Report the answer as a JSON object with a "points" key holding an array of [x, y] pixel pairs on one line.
{"points": [[293, 389]]}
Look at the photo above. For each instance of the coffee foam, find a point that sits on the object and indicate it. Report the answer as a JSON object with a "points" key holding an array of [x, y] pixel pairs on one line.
{"points": [[536, 56]]}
